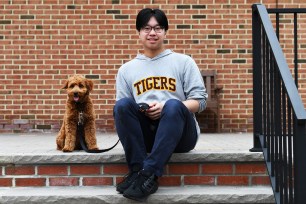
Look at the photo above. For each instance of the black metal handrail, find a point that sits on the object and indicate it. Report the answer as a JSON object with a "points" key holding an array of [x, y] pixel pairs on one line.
{"points": [[279, 116]]}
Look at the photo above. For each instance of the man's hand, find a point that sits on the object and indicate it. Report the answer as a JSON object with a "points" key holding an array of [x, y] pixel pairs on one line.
{"points": [[155, 110]]}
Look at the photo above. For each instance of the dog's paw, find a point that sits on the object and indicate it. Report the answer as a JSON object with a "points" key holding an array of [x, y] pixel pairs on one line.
{"points": [[59, 144], [67, 149], [94, 147]]}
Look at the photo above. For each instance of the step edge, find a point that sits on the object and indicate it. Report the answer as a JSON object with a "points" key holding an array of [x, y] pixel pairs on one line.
{"points": [[195, 194], [47, 158]]}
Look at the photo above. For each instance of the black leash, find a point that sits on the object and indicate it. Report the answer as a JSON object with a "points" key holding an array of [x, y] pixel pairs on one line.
{"points": [[81, 136]]}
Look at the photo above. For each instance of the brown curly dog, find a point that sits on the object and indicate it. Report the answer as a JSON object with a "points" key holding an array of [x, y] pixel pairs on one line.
{"points": [[78, 100]]}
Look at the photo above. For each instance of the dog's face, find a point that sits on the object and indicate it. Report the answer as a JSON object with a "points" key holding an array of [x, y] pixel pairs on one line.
{"points": [[78, 88]]}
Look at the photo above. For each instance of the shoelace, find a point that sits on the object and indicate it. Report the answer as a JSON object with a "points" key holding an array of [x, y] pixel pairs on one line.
{"points": [[127, 177], [144, 181], [139, 179], [148, 184]]}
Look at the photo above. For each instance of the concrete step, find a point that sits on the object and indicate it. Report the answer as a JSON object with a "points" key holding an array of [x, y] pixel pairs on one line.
{"points": [[31, 160], [219, 170], [92, 195]]}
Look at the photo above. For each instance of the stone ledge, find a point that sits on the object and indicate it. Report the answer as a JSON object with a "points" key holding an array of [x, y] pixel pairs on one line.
{"points": [[41, 149], [93, 195], [118, 157]]}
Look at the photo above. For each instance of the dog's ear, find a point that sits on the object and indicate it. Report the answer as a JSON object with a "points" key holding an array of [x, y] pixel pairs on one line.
{"points": [[65, 86], [89, 85]]}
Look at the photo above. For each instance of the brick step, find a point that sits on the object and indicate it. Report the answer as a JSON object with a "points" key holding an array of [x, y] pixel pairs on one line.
{"points": [[82, 169], [92, 195], [32, 160], [32, 171]]}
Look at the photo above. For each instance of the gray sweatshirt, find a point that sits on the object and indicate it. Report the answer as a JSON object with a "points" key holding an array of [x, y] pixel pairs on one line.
{"points": [[169, 75]]}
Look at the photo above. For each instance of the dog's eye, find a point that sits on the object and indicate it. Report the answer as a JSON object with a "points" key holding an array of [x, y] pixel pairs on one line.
{"points": [[71, 86], [81, 86]]}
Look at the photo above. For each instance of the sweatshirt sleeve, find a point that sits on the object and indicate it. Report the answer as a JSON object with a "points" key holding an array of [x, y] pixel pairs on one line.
{"points": [[194, 87], [123, 89]]}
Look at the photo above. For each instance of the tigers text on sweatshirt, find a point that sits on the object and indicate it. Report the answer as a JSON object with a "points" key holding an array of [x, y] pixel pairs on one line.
{"points": [[169, 75]]}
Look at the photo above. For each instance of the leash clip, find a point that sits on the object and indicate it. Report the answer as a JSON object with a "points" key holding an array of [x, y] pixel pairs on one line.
{"points": [[81, 118]]}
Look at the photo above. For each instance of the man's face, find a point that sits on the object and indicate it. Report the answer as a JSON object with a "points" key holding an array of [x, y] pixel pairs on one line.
{"points": [[152, 36]]}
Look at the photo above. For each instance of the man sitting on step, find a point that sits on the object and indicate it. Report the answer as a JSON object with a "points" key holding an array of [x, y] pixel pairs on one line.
{"points": [[157, 94]]}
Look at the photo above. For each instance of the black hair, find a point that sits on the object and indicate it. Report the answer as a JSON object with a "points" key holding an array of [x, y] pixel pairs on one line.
{"points": [[145, 15]]}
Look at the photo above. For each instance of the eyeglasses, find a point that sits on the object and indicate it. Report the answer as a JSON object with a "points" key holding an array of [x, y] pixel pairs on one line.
{"points": [[157, 29]]}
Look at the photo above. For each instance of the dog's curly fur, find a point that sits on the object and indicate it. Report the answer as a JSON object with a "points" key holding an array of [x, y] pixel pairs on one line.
{"points": [[78, 89]]}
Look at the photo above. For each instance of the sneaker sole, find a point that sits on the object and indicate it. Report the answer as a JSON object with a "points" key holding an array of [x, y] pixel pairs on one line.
{"points": [[120, 190], [143, 199], [134, 198]]}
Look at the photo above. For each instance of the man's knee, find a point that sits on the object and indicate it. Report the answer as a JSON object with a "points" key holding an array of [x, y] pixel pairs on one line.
{"points": [[123, 105], [173, 107]]}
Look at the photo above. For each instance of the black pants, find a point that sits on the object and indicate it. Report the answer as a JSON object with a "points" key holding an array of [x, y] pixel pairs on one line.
{"points": [[175, 131]]}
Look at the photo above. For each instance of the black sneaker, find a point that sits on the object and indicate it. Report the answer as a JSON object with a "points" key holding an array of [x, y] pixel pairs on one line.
{"points": [[144, 185], [127, 181]]}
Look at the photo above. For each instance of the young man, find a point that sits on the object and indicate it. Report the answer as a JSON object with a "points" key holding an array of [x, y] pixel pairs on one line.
{"points": [[172, 86]]}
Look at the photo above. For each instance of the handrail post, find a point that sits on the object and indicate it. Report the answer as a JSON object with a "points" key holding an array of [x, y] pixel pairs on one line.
{"points": [[257, 80], [300, 162]]}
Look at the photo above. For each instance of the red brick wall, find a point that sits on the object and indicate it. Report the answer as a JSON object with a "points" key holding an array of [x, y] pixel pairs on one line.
{"points": [[176, 174], [43, 42]]}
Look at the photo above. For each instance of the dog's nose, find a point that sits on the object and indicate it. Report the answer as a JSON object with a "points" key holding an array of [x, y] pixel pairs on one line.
{"points": [[75, 94]]}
